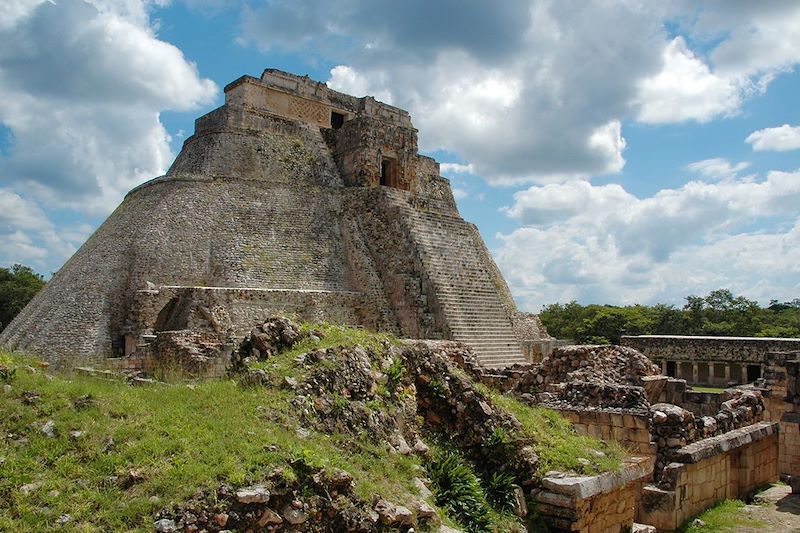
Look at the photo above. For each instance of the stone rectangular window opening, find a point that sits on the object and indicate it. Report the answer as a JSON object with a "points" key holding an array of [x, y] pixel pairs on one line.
{"points": [[389, 172], [753, 373], [337, 119]]}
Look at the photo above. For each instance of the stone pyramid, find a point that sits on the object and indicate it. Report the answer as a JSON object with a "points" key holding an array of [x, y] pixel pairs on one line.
{"points": [[294, 199]]}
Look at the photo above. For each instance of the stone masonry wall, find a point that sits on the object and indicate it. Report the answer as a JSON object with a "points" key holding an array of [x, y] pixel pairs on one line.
{"points": [[784, 407], [606, 503], [363, 144], [631, 429], [244, 307], [709, 349], [728, 466], [383, 243]]}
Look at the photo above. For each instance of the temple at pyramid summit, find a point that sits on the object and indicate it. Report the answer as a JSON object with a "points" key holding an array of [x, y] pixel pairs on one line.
{"points": [[290, 199]]}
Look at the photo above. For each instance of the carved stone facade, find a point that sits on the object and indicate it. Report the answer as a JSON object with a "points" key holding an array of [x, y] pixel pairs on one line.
{"points": [[716, 361], [291, 199]]}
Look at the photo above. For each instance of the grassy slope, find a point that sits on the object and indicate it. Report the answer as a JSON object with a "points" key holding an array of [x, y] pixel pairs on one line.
{"points": [[182, 437], [723, 517], [179, 437]]}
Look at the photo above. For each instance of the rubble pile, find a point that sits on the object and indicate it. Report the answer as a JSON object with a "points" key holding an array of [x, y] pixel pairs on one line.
{"points": [[618, 365], [349, 391], [317, 500], [452, 407], [583, 395], [267, 339]]}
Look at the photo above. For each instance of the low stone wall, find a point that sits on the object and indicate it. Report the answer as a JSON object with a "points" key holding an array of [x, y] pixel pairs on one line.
{"points": [[630, 429], [674, 427], [702, 403], [703, 473], [789, 439], [246, 306], [606, 503]]}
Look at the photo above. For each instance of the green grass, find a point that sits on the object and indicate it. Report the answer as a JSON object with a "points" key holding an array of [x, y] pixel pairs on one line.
{"points": [[180, 437], [328, 336], [555, 440], [722, 518], [712, 390]]}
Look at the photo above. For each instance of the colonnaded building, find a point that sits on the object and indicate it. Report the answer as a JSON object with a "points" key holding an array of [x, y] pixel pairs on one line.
{"points": [[290, 198]]}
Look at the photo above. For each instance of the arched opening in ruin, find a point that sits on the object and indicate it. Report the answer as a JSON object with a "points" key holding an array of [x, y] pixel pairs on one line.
{"points": [[389, 172], [173, 316]]}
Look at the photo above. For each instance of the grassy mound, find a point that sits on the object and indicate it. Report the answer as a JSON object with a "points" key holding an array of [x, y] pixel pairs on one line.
{"points": [[80, 453]]}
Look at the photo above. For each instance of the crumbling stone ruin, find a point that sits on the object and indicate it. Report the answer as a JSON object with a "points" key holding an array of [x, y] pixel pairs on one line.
{"points": [[695, 449], [291, 198]]}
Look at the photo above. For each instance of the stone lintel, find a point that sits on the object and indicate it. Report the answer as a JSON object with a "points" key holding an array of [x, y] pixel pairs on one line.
{"points": [[703, 449], [582, 487]]}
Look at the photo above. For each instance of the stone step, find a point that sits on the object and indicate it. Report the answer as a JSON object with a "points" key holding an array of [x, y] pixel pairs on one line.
{"points": [[485, 322], [491, 348], [476, 305], [485, 342], [466, 296], [449, 253], [501, 358], [481, 326]]}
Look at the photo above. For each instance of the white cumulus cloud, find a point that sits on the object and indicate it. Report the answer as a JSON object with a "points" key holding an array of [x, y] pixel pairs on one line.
{"points": [[780, 139], [717, 168], [685, 89], [603, 244], [83, 87]]}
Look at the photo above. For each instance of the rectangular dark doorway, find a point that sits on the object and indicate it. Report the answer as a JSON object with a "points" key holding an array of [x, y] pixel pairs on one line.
{"points": [[753, 373], [672, 369], [389, 172], [337, 119]]}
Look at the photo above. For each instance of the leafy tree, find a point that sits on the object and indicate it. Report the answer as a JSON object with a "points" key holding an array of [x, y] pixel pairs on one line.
{"points": [[18, 285], [721, 313]]}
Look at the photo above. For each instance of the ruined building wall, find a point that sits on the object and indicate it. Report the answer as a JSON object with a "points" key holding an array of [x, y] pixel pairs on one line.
{"points": [[729, 466], [710, 360]]}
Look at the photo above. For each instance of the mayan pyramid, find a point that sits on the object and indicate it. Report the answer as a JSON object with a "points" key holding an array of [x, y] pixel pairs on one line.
{"points": [[294, 199]]}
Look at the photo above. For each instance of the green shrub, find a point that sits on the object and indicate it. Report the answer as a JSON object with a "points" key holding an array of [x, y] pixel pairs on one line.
{"points": [[498, 439], [500, 491], [395, 374], [458, 490], [436, 388]]}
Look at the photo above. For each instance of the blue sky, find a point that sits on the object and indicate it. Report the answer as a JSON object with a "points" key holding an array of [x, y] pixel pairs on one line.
{"points": [[610, 151]]}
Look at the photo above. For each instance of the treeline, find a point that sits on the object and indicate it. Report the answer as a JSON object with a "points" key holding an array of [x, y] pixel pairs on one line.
{"points": [[720, 313], [18, 285]]}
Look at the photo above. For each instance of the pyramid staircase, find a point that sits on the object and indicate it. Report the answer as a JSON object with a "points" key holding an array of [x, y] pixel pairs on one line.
{"points": [[464, 289]]}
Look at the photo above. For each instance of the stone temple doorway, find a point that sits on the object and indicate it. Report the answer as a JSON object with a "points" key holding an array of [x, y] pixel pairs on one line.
{"points": [[389, 172]]}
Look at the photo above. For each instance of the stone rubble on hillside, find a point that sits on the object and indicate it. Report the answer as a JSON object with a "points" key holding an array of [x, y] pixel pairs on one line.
{"points": [[384, 392]]}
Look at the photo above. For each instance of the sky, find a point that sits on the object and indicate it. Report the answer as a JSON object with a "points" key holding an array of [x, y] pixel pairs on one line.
{"points": [[609, 151]]}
